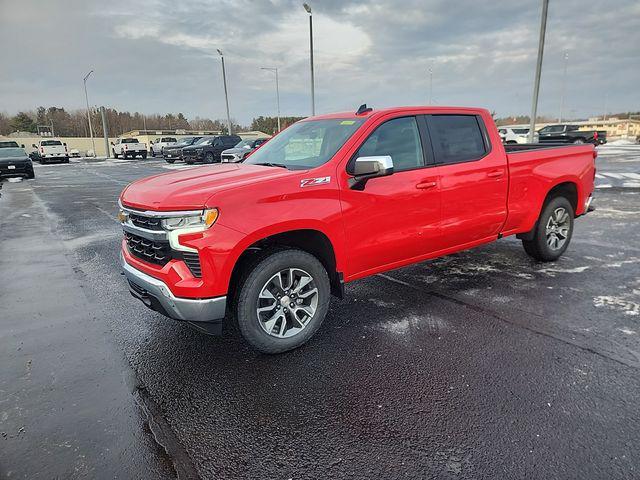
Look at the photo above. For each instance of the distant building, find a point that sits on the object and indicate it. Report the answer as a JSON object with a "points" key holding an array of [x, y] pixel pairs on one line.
{"points": [[616, 128]]}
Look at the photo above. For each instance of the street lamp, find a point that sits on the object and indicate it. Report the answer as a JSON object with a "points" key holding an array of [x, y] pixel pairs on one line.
{"points": [[564, 81], [536, 83], [226, 95], [313, 88], [86, 97], [431, 85], [275, 69]]}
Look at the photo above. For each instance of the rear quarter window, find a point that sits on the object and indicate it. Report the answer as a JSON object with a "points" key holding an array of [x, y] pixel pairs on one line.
{"points": [[456, 138], [50, 143]]}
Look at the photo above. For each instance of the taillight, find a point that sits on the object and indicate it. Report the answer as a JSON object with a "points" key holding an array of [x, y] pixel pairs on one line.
{"points": [[42, 150]]}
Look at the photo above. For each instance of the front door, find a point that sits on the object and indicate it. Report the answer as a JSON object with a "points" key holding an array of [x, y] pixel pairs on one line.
{"points": [[395, 218]]}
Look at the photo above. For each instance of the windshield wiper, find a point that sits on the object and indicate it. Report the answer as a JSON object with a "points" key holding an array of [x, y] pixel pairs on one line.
{"points": [[269, 164]]}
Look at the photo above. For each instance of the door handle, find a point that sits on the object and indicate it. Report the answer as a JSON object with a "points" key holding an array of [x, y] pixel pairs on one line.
{"points": [[426, 185], [495, 174]]}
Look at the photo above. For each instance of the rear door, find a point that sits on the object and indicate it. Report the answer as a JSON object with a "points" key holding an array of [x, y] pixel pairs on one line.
{"points": [[473, 178], [396, 218]]}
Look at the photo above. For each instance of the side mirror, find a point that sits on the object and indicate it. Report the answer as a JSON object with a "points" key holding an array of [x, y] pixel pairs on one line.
{"points": [[366, 168], [151, 142], [64, 144], [112, 143], [22, 146]]}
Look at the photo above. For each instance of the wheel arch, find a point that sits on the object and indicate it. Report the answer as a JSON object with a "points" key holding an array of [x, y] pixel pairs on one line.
{"points": [[311, 240]]}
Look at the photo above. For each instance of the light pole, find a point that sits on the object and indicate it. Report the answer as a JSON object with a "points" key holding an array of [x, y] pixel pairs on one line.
{"points": [[313, 88], [86, 97], [431, 85], [275, 69], [564, 81], [226, 95], [536, 84]]}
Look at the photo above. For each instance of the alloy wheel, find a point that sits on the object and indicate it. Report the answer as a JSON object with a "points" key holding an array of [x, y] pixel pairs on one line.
{"points": [[557, 229], [287, 302]]}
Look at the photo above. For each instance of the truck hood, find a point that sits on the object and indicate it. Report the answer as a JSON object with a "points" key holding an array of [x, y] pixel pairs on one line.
{"points": [[190, 189]]}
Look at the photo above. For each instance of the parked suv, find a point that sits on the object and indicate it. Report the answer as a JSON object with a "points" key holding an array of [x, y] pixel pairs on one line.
{"points": [[336, 198], [239, 152], [157, 146], [210, 149], [174, 152]]}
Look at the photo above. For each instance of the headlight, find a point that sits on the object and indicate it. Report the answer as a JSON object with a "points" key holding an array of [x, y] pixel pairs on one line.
{"points": [[205, 220]]}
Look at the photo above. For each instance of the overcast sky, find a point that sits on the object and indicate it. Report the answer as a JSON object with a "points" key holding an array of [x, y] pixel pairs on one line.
{"points": [[157, 56]]}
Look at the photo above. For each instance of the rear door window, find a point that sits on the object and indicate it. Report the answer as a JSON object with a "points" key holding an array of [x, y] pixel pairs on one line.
{"points": [[456, 138]]}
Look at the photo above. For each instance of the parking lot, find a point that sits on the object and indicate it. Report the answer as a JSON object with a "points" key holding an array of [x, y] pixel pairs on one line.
{"points": [[483, 364]]}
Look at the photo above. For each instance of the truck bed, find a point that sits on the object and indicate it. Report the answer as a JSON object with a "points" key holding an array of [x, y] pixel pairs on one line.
{"points": [[521, 147]]}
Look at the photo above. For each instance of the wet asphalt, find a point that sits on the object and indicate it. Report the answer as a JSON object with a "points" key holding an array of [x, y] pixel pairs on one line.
{"points": [[483, 364]]}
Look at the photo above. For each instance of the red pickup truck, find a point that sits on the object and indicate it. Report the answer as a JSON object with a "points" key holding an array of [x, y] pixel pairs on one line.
{"points": [[335, 198]]}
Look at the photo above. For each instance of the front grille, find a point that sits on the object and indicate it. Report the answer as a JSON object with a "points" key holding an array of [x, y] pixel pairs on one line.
{"points": [[148, 250], [150, 223], [193, 262], [188, 153]]}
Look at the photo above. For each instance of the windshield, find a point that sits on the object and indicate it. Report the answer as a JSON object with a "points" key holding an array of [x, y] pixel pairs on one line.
{"points": [[243, 143], [306, 144], [203, 141], [9, 144], [11, 152], [129, 140], [50, 143]]}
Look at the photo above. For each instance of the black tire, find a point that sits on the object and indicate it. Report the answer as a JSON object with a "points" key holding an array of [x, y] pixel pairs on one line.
{"points": [[251, 283], [208, 158], [579, 141], [153, 153], [144, 155], [169, 160], [31, 175], [115, 155], [66, 159], [538, 247]]}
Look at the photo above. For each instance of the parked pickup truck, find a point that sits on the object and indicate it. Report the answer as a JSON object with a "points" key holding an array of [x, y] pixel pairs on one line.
{"points": [[336, 198], [51, 150], [157, 146], [128, 147], [571, 134]]}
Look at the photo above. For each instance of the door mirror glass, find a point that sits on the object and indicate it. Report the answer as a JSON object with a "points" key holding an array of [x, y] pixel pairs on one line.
{"points": [[366, 168]]}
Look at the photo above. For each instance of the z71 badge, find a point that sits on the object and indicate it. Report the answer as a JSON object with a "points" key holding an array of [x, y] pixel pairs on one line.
{"points": [[310, 182]]}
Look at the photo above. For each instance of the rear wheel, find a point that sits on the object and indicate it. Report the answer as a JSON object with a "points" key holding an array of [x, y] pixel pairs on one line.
{"points": [[144, 154], [552, 232], [208, 158], [578, 141], [283, 300], [169, 160]]}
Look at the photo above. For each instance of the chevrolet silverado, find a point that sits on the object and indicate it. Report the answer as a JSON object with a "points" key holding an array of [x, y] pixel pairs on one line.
{"points": [[336, 198]]}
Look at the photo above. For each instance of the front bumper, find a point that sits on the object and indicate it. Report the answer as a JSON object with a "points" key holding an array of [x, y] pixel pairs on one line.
{"points": [[205, 314]]}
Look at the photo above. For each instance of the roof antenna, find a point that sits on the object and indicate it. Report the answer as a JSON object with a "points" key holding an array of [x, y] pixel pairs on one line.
{"points": [[363, 109]]}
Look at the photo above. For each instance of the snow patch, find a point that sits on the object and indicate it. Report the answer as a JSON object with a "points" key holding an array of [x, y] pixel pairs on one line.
{"points": [[627, 331], [620, 303], [551, 271], [409, 323], [381, 303]]}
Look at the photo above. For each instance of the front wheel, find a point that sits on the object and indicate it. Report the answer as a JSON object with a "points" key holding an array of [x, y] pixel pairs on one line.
{"points": [[208, 158], [578, 141], [283, 300], [552, 232], [115, 155], [144, 155]]}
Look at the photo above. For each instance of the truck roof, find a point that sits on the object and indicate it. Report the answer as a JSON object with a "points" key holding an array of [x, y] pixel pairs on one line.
{"points": [[383, 111]]}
